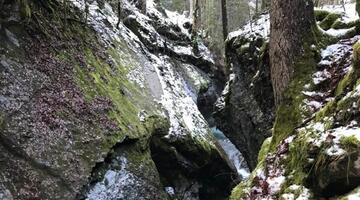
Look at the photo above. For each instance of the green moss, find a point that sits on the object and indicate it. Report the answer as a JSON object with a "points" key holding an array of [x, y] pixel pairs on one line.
{"points": [[157, 125], [297, 159], [338, 24], [289, 113], [344, 83], [105, 81], [343, 107], [321, 14], [265, 147], [25, 9], [325, 111], [239, 191], [329, 20], [350, 81], [350, 142], [356, 55]]}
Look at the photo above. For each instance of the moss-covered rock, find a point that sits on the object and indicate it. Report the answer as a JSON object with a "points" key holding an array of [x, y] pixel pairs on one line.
{"points": [[338, 24], [329, 20], [321, 14], [80, 101]]}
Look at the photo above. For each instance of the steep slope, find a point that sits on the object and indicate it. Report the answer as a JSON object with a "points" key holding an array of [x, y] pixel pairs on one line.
{"points": [[98, 101]]}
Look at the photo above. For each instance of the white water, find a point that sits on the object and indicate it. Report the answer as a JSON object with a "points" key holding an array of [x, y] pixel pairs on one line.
{"points": [[232, 152]]}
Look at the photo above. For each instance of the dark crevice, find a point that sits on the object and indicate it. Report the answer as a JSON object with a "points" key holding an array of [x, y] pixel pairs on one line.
{"points": [[191, 173], [98, 171], [340, 187]]}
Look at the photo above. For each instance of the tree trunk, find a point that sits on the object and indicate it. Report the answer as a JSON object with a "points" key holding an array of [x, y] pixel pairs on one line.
{"points": [[256, 6], [224, 18], [196, 26], [191, 10], [291, 23], [196, 17]]}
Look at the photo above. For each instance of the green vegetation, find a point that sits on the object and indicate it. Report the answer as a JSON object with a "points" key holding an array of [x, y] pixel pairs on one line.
{"points": [[289, 113], [344, 83], [329, 20], [321, 14], [111, 82], [325, 111], [25, 8], [350, 142], [240, 190], [297, 160], [338, 24], [356, 55]]}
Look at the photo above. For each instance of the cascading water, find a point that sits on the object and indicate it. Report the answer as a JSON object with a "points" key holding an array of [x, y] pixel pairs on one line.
{"points": [[232, 152]]}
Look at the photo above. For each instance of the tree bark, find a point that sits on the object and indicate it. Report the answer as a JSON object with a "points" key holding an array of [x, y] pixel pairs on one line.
{"points": [[291, 25], [224, 18], [196, 17]]}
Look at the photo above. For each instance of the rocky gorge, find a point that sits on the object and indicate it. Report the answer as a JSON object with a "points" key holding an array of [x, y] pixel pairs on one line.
{"points": [[105, 99]]}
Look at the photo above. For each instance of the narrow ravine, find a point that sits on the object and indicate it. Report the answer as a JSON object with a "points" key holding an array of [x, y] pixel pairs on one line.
{"points": [[105, 100], [177, 89]]}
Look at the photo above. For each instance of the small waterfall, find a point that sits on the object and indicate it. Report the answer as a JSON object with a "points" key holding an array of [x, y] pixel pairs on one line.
{"points": [[232, 152]]}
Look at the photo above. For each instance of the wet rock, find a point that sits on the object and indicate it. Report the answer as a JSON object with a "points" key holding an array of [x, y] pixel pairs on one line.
{"points": [[245, 112], [68, 109]]}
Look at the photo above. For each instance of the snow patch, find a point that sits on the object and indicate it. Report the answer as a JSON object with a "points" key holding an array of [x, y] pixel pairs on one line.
{"points": [[259, 26], [348, 11], [275, 183]]}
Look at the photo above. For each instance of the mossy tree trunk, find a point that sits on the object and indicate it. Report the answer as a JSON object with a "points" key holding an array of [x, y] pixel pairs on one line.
{"points": [[291, 25]]}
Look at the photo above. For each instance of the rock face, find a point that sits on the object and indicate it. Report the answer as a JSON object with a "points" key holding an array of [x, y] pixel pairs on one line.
{"points": [[245, 110], [83, 102]]}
